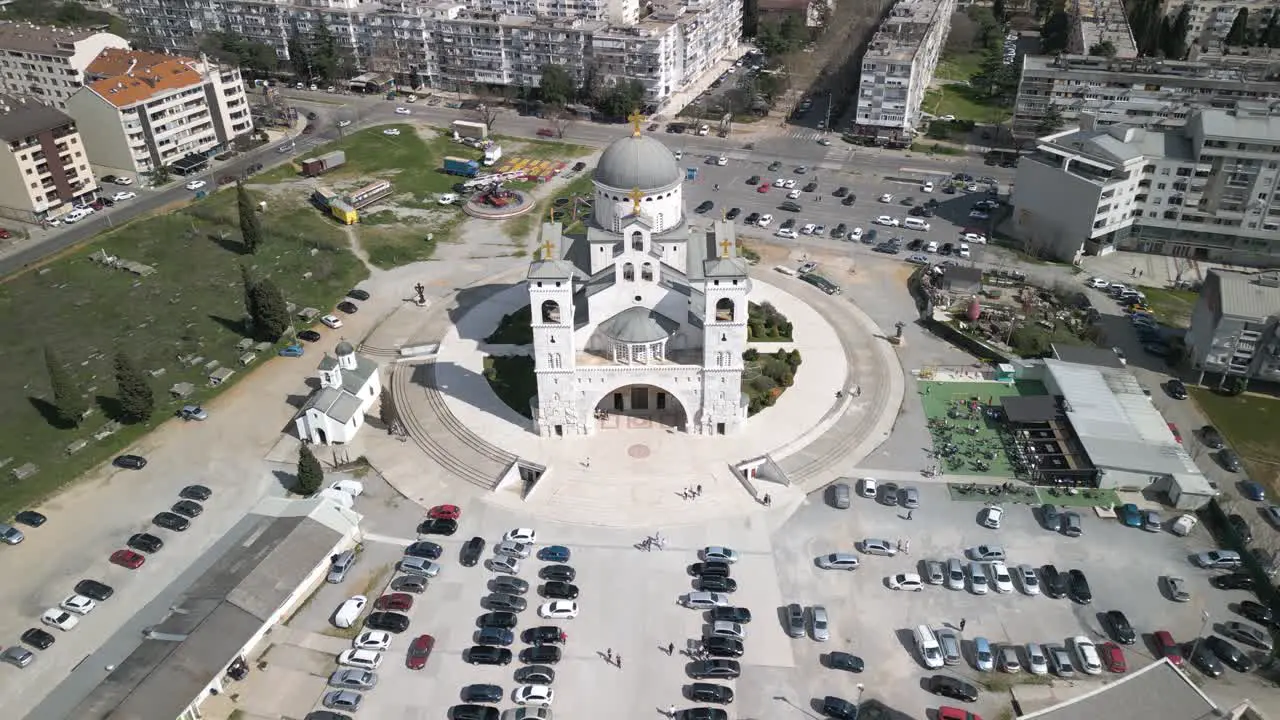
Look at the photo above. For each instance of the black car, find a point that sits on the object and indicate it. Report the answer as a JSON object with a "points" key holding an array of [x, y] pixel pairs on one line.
{"points": [[953, 688], [775, 165], [494, 636], [488, 655], [1229, 654], [1241, 527], [188, 508], [481, 694], [712, 567], [535, 675], [309, 336], [790, 206], [544, 635], [146, 542], [841, 191], [1204, 660], [30, 518], [509, 585], [717, 668], [130, 462], [839, 230], [715, 583], [471, 552], [1233, 581], [560, 590], [392, 622], [1079, 587], [849, 200], [733, 213], [540, 655], [502, 619], [723, 647], [839, 708], [579, 166], [1176, 389], [196, 492], [753, 180], [94, 589], [438, 526], [915, 244], [1055, 583], [424, 549], [710, 692], [947, 248], [1051, 517], [1230, 460], [732, 614], [1212, 439], [171, 521], [703, 713], [845, 661], [788, 224], [357, 294], [704, 206], [1121, 630], [752, 219], [503, 601], [474, 712], [563, 573], [349, 308], [37, 638], [809, 187], [1258, 613]]}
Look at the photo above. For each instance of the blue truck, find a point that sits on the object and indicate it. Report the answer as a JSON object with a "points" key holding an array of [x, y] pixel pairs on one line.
{"points": [[461, 166]]}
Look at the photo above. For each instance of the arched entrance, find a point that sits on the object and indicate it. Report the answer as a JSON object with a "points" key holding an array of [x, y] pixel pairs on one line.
{"points": [[640, 407]]}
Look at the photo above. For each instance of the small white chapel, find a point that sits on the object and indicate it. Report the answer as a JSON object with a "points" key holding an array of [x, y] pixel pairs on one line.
{"points": [[349, 387]]}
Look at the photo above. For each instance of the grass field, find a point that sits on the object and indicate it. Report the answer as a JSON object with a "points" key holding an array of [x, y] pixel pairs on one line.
{"points": [[1248, 423], [1173, 307], [518, 229], [191, 305], [946, 406], [965, 102], [958, 67], [512, 379]]}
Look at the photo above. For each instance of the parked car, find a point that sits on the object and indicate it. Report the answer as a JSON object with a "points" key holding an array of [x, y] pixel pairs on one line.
{"points": [[951, 687], [721, 668], [389, 621], [1120, 627], [1055, 583]]}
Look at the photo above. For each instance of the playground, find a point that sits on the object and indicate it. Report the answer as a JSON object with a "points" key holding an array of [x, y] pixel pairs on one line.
{"points": [[966, 427]]}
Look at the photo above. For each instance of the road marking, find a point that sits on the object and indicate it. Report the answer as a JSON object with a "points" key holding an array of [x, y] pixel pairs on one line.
{"points": [[388, 539]]}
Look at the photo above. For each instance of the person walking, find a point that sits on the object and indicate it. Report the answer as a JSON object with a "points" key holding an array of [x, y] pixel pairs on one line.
{"points": [[587, 463], [699, 491], [909, 514], [963, 621], [671, 711], [671, 651], [618, 661], [608, 654]]}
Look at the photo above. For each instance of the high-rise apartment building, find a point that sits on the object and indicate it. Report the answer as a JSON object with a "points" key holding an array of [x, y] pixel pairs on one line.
{"points": [[1210, 20], [1235, 326], [47, 63], [899, 63], [44, 168], [1095, 22]]}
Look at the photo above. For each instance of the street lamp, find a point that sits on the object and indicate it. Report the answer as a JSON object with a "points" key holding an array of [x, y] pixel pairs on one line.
{"points": [[1204, 627]]}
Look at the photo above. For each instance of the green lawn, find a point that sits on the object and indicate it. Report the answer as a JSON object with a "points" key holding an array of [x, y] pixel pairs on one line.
{"points": [[958, 67], [1173, 307], [1248, 423], [512, 379], [540, 149], [191, 305], [965, 102], [518, 229], [946, 405]]}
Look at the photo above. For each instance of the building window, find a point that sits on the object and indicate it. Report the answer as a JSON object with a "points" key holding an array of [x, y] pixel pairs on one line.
{"points": [[628, 272], [646, 272], [724, 310], [637, 241], [550, 311]]}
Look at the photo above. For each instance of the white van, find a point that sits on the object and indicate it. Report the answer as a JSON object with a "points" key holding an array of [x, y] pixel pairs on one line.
{"points": [[354, 488], [928, 647], [349, 611], [912, 223]]}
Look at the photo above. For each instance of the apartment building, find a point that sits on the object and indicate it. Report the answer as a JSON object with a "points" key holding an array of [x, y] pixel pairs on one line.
{"points": [[1204, 191], [44, 168], [1211, 20], [47, 63], [1144, 92], [1235, 326], [899, 63], [146, 110], [1094, 22]]}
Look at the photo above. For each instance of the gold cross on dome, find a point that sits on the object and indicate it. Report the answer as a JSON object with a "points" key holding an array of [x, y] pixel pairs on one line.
{"points": [[636, 118], [551, 214], [547, 249], [725, 244], [636, 196]]}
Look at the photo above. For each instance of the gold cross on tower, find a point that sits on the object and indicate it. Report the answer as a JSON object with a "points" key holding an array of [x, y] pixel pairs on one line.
{"points": [[547, 249], [725, 244], [636, 196], [636, 118]]}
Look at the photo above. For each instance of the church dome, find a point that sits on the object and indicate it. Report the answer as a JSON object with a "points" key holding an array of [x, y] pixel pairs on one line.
{"points": [[344, 348], [638, 325], [637, 162]]}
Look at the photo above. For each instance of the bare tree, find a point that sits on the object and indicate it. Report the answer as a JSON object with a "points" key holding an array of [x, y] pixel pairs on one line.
{"points": [[560, 121]]}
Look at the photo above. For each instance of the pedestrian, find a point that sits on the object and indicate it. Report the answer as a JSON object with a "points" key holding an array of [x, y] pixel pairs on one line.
{"points": [[699, 491], [907, 549], [962, 624], [671, 651], [909, 514], [671, 711], [608, 655], [857, 391], [618, 661], [587, 463]]}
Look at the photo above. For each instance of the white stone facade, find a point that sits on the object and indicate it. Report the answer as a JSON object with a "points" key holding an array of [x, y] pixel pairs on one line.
{"points": [[899, 63]]}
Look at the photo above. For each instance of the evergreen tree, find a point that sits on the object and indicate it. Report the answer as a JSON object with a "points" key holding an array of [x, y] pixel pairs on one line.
{"points": [[67, 400], [1239, 32], [310, 473], [556, 85], [1270, 37], [387, 409], [1051, 122], [997, 9], [250, 230], [133, 392], [325, 56], [299, 54], [247, 281], [269, 310]]}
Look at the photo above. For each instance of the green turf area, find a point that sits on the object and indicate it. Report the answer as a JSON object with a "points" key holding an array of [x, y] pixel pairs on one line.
{"points": [[541, 149], [958, 67], [946, 405], [512, 379], [1248, 423], [519, 229], [191, 305], [1172, 307], [964, 102], [514, 329]]}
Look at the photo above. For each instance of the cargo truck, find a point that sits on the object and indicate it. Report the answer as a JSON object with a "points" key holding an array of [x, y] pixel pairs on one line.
{"points": [[468, 129], [461, 166], [316, 166], [492, 153]]}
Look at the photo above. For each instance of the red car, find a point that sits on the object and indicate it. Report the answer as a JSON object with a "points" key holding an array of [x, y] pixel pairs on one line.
{"points": [[5, 234], [946, 712], [394, 601], [128, 558], [1167, 647], [1112, 657], [546, 132], [1176, 435], [419, 651], [762, 187], [444, 512]]}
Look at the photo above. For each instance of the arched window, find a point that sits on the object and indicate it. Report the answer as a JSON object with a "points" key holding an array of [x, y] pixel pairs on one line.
{"points": [[628, 272], [646, 271], [724, 310], [637, 240], [550, 311]]}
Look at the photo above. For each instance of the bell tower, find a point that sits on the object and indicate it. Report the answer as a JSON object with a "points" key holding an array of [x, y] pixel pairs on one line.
{"points": [[725, 291], [550, 283]]}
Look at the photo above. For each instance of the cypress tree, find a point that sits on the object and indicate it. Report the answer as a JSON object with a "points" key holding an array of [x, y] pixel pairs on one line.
{"points": [[133, 392], [310, 473], [269, 310], [70, 406], [250, 230]]}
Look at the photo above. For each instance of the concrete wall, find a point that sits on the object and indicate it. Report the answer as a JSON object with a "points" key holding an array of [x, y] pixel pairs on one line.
{"points": [[101, 127], [1053, 210]]}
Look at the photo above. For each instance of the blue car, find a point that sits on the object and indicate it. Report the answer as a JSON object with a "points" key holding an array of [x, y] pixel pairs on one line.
{"points": [[291, 351], [494, 636], [554, 553], [1130, 515], [1253, 491]]}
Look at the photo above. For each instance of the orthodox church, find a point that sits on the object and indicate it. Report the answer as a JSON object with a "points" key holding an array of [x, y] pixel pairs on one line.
{"points": [[643, 315], [349, 386]]}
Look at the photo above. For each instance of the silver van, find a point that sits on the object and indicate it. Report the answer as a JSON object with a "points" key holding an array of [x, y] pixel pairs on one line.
{"points": [[340, 565], [912, 223], [949, 641]]}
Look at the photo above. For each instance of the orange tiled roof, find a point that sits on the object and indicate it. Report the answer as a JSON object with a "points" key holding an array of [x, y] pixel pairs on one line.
{"points": [[146, 81], [117, 61]]}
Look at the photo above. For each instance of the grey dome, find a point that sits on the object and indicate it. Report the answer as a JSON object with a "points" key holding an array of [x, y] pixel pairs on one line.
{"points": [[638, 325], [344, 348], [637, 162]]}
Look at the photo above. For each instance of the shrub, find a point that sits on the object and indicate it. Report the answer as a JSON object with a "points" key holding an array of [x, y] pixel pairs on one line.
{"points": [[751, 355]]}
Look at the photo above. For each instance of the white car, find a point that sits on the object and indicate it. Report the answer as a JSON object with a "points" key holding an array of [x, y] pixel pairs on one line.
{"points": [[764, 220], [447, 199], [363, 659], [703, 600], [123, 195], [808, 228], [331, 321], [376, 640], [886, 198], [947, 118], [974, 238], [888, 221], [722, 554], [79, 604], [977, 579], [789, 183], [559, 610], [61, 619], [855, 234], [780, 182], [1090, 661], [927, 187], [74, 216], [403, 111], [391, 131], [349, 611], [1098, 283], [964, 250], [525, 536], [867, 487], [990, 516], [123, 180], [1037, 663], [906, 581], [195, 184], [535, 695], [1000, 577], [794, 194], [344, 123], [979, 215], [722, 161], [1030, 583], [787, 233]]}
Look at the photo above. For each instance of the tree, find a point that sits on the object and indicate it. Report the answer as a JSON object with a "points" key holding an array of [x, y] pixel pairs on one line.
{"points": [[997, 9], [325, 57], [1239, 32], [1106, 48], [560, 121], [133, 392], [159, 176], [750, 17], [387, 409], [69, 405], [269, 310], [556, 85], [299, 54], [1055, 33], [1051, 122], [310, 472], [1173, 34], [1270, 37], [1041, 9], [963, 35], [250, 230]]}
